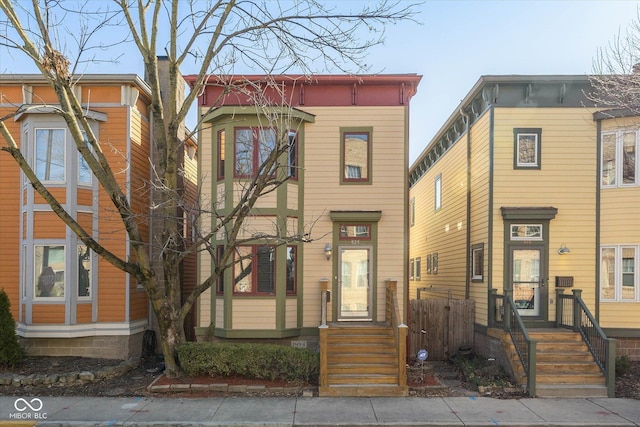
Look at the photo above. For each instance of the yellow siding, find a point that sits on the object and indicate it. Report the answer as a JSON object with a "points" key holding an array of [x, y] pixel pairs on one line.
{"points": [[324, 194], [204, 304], [292, 195], [254, 313], [291, 320], [619, 315], [268, 201], [219, 313], [479, 221], [568, 155], [442, 231]]}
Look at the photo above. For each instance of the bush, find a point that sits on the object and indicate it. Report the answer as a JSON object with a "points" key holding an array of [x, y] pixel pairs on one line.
{"points": [[10, 350], [264, 361], [623, 365]]}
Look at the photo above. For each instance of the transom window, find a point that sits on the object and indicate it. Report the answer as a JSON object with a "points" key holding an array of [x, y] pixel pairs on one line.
{"points": [[526, 231], [618, 273], [618, 159], [527, 148], [355, 231]]}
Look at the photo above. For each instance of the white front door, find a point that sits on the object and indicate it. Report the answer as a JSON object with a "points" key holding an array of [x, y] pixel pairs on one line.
{"points": [[354, 283]]}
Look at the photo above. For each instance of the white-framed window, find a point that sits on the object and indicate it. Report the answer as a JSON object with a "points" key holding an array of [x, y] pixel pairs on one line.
{"points": [[418, 268], [619, 267], [527, 148], [477, 262], [618, 158], [49, 271], [437, 193], [526, 231], [412, 268], [412, 211], [50, 155]]}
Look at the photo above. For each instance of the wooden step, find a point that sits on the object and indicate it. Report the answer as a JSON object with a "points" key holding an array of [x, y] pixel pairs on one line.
{"points": [[563, 367], [571, 390], [552, 356], [365, 358], [353, 379], [361, 339], [359, 368], [364, 390], [570, 378]]}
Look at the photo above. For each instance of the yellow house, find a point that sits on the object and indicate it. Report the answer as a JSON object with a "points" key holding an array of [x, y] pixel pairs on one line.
{"points": [[527, 201], [346, 190]]}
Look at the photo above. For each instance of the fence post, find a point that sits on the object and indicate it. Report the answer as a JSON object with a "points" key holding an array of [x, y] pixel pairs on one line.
{"points": [[559, 307], [577, 312], [506, 318], [324, 289], [611, 367]]}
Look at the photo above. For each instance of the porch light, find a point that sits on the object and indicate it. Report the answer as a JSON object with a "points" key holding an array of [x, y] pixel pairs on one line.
{"points": [[563, 249], [327, 251]]}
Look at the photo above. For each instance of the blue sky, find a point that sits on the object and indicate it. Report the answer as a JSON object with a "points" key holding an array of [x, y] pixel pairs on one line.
{"points": [[459, 41]]}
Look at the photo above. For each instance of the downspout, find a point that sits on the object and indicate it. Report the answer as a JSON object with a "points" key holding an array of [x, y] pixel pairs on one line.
{"points": [[467, 280]]}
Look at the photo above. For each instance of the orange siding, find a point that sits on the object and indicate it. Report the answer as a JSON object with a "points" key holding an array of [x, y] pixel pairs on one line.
{"points": [[12, 95], [47, 225], [83, 313], [101, 94], [111, 293], [60, 193], [44, 95], [85, 197], [48, 313]]}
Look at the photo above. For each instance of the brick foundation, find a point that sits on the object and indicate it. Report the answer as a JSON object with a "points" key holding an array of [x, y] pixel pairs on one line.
{"points": [[629, 347], [104, 347]]}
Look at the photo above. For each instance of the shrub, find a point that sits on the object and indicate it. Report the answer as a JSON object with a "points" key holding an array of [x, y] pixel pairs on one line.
{"points": [[264, 361], [10, 350], [623, 364]]}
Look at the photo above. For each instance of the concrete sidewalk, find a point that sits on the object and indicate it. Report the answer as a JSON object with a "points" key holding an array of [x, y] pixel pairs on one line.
{"points": [[316, 411]]}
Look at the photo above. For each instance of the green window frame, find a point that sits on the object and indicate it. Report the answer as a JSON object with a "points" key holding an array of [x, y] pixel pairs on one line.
{"points": [[356, 155]]}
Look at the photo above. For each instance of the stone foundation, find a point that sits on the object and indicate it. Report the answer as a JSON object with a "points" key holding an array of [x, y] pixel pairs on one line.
{"points": [[119, 347]]}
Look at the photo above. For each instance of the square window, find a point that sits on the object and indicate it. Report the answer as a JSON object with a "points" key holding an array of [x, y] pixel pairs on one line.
{"points": [[356, 156], [527, 148]]}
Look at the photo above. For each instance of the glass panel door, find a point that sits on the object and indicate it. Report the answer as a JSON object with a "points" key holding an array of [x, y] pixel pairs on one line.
{"points": [[354, 295], [526, 279]]}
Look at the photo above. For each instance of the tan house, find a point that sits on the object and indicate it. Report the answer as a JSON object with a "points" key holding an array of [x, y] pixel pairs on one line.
{"points": [[527, 201], [346, 189], [64, 298]]}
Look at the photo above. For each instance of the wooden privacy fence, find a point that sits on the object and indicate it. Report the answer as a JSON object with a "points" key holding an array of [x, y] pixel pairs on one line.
{"points": [[441, 326]]}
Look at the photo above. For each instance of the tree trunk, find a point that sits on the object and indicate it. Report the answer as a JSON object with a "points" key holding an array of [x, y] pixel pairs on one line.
{"points": [[171, 328]]}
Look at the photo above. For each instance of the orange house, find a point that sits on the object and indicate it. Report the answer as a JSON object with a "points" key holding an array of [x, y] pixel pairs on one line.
{"points": [[65, 299]]}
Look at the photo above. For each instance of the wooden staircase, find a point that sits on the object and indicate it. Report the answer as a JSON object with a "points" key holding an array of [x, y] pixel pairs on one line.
{"points": [[564, 365], [363, 360]]}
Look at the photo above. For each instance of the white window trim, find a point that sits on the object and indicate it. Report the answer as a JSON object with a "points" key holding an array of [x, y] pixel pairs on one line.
{"points": [[517, 238], [535, 162], [437, 193], [34, 151], [474, 250], [618, 274], [619, 138]]}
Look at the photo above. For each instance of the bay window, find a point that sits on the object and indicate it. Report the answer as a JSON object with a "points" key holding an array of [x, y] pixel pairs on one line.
{"points": [[50, 155], [252, 146]]}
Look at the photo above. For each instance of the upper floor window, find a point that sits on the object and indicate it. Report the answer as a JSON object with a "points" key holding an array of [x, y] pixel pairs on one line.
{"points": [[292, 156], [220, 141], [412, 211], [356, 156], [618, 160], [437, 193], [50, 155], [477, 262], [527, 148], [252, 147]]}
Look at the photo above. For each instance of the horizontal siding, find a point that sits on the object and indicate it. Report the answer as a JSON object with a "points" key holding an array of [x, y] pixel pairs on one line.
{"points": [[323, 194], [480, 167], [291, 320], [254, 313], [84, 313], [568, 156], [619, 315], [292, 195], [101, 94], [619, 209], [48, 314], [443, 231], [47, 225], [219, 313], [111, 293], [204, 309]]}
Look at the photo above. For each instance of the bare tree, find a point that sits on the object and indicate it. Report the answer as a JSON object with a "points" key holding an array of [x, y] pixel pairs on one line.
{"points": [[214, 38], [616, 71]]}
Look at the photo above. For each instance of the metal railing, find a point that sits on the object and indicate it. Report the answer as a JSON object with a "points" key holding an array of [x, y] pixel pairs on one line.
{"points": [[572, 313], [504, 313]]}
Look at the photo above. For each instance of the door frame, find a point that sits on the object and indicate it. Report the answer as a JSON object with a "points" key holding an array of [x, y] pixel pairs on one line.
{"points": [[529, 216], [543, 281]]}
